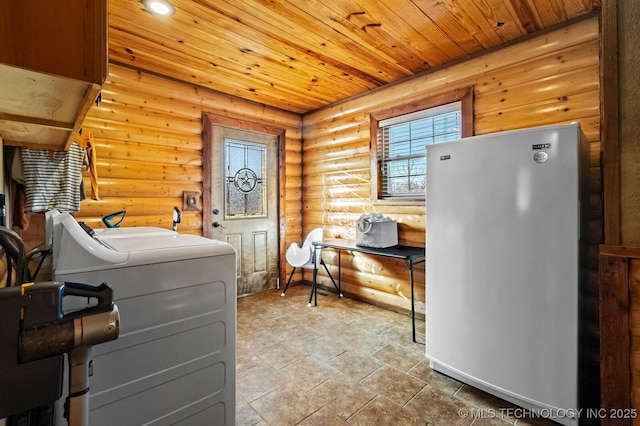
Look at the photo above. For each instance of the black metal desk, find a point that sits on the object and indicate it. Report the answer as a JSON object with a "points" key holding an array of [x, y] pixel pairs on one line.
{"points": [[411, 256]]}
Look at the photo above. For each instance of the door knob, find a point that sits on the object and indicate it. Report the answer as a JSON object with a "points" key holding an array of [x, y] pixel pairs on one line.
{"points": [[218, 225]]}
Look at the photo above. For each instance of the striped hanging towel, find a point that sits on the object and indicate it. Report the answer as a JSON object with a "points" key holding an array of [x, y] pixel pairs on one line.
{"points": [[52, 179]]}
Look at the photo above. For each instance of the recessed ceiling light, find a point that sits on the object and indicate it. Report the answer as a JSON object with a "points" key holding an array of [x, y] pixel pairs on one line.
{"points": [[159, 7]]}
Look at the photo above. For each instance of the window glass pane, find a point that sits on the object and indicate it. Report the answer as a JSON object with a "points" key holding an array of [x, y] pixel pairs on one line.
{"points": [[397, 168], [418, 184], [399, 149], [398, 185], [418, 166], [245, 189]]}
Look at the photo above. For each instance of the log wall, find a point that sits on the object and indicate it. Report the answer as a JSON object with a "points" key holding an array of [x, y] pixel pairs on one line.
{"points": [[549, 79], [147, 133]]}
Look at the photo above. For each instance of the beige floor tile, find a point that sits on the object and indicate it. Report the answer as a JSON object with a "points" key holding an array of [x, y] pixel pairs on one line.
{"points": [[245, 415], [355, 364], [437, 408], [435, 379], [395, 385], [400, 357], [343, 395], [359, 336], [281, 355], [300, 332], [482, 399], [308, 372], [381, 411], [258, 381], [344, 362], [321, 321], [256, 339], [325, 347], [324, 417], [246, 360], [400, 335], [286, 405]]}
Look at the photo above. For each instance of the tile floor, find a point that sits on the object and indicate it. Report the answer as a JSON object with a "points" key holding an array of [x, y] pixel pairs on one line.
{"points": [[345, 362]]}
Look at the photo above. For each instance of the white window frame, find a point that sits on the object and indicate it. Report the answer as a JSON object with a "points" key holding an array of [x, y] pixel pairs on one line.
{"points": [[411, 111], [401, 146]]}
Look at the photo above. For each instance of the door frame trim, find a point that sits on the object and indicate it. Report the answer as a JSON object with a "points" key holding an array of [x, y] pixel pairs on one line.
{"points": [[209, 119]]}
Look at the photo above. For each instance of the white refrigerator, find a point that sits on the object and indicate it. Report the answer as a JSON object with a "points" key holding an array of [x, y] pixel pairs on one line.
{"points": [[505, 244]]}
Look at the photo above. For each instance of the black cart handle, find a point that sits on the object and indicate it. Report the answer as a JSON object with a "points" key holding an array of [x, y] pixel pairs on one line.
{"points": [[103, 293]]}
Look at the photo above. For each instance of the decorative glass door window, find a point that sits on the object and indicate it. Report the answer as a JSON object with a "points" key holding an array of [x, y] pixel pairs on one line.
{"points": [[245, 179]]}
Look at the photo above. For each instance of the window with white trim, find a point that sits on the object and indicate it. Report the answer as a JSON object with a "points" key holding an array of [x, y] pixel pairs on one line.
{"points": [[401, 147], [401, 134]]}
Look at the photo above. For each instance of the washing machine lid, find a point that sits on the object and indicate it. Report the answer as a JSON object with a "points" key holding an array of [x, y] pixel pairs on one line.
{"points": [[158, 248], [75, 250], [157, 242], [128, 232]]}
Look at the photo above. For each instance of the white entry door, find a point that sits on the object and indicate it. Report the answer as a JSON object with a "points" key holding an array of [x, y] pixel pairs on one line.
{"points": [[244, 202]]}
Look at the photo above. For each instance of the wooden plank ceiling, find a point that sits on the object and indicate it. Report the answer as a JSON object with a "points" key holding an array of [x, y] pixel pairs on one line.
{"points": [[300, 55]]}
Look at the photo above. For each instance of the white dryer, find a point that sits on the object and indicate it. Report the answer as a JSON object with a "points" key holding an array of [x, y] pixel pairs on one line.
{"points": [[174, 362]]}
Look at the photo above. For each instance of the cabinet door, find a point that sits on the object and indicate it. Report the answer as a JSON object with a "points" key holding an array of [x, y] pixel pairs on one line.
{"points": [[66, 38]]}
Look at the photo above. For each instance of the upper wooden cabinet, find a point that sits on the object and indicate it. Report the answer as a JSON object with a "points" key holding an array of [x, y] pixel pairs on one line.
{"points": [[53, 62]]}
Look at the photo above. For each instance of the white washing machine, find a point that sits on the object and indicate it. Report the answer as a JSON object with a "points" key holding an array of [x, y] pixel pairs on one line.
{"points": [[174, 361], [140, 231]]}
